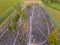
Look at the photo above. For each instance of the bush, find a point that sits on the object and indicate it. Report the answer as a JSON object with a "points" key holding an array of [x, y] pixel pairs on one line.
{"points": [[49, 1], [15, 18], [13, 27], [29, 6], [21, 39], [9, 28], [43, 20], [53, 38], [22, 15]]}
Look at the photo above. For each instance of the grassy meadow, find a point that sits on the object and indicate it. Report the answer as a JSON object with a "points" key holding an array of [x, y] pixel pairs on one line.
{"points": [[53, 7], [5, 4], [6, 8], [55, 14]]}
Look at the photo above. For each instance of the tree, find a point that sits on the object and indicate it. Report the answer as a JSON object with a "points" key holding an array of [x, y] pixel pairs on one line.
{"points": [[28, 6], [53, 37], [43, 19], [19, 11], [49, 1], [15, 18], [53, 1]]}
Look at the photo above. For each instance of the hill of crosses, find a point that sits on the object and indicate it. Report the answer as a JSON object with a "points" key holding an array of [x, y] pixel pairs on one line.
{"points": [[30, 26]]}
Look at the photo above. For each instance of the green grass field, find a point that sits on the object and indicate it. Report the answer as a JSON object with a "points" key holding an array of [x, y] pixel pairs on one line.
{"points": [[5, 4], [52, 3], [55, 14], [6, 8], [55, 6]]}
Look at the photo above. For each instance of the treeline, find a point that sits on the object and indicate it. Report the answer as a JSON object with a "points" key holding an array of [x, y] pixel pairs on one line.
{"points": [[52, 1]]}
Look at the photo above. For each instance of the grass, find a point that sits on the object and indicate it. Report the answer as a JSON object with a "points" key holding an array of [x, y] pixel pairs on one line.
{"points": [[54, 5], [6, 8], [55, 14], [5, 4], [6, 14]]}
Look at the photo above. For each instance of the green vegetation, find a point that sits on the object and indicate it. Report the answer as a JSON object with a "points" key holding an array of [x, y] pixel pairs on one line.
{"points": [[21, 39], [13, 27], [17, 7], [52, 3], [22, 15], [53, 38], [14, 21], [55, 6], [58, 1], [7, 14], [20, 12], [37, 5], [9, 28], [28, 6], [15, 18], [49, 1], [54, 14], [43, 19], [6, 8], [5, 4]]}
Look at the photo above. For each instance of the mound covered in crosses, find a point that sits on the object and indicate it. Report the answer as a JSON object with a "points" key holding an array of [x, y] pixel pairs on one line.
{"points": [[30, 25]]}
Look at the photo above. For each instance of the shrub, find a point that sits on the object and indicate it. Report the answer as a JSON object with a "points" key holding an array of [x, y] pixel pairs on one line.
{"points": [[53, 38], [22, 15], [13, 27], [43, 19], [9, 28], [21, 39], [15, 18], [28, 6]]}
